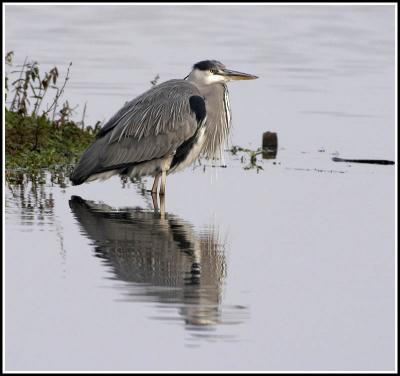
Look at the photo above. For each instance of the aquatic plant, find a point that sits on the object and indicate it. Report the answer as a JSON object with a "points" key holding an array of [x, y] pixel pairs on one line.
{"points": [[249, 156]]}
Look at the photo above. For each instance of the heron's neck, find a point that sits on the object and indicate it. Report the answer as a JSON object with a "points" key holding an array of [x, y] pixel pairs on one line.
{"points": [[218, 121], [214, 90]]}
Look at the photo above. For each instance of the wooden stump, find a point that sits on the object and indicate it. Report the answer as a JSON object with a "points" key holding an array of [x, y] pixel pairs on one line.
{"points": [[269, 145]]}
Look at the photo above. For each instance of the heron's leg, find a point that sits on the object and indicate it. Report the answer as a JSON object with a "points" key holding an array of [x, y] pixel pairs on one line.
{"points": [[163, 182], [155, 201], [155, 184]]}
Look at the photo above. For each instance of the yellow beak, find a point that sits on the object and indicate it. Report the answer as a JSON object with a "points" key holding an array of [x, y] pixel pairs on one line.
{"points": [[234, 75]]}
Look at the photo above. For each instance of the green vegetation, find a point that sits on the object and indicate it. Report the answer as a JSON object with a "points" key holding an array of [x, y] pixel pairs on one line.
{"points": [[38, 137], [248, 155], [36, 142]]}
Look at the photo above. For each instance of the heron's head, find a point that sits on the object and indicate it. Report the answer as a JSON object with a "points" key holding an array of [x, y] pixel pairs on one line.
{"points": [[208, 72]]}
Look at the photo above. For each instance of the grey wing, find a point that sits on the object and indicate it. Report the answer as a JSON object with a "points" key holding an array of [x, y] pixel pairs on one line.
{"points": [[151, 126]]}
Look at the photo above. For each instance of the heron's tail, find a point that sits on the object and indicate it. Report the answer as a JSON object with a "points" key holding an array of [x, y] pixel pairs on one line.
{"points": [[88, 164], [91, 165], [76, 180], [77, 177]]}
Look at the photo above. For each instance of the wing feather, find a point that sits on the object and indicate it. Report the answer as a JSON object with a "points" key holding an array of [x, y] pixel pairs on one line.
{"points": [[149, 127]]}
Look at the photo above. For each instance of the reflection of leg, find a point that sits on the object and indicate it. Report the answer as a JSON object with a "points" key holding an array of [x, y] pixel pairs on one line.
{"points": [[155, 184], [162, 206], [163, 182], [155, 201]]}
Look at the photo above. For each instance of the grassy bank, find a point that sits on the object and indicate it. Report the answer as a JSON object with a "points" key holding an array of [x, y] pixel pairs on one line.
{"points": [[36, 142]]}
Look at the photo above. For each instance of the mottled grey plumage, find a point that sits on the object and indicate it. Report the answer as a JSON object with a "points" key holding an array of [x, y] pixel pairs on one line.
{"points": [[218, 122], [165, 129], [143, 130]]}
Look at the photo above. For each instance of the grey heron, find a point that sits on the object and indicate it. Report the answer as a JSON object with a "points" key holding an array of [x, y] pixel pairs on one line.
{"points": [[165, 129]]}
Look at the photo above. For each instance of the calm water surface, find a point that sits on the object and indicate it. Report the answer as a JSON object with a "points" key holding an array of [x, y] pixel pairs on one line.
{"points": [[290, 268]]}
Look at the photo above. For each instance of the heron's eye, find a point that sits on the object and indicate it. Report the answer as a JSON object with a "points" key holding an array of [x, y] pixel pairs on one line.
{"points": [[214, 71]]}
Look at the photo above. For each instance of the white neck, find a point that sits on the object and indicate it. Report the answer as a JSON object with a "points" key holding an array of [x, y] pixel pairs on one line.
{"points": [[204, 77]]}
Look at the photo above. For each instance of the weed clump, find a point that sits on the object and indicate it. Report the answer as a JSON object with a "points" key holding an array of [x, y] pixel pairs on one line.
{"points": [[39, 132]]}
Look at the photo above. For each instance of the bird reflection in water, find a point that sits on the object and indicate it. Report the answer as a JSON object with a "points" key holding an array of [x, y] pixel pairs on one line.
{"points": [[162, 257]]}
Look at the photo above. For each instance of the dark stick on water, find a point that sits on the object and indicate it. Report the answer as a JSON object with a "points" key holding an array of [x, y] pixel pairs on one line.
{"points": [[371, 161]]}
